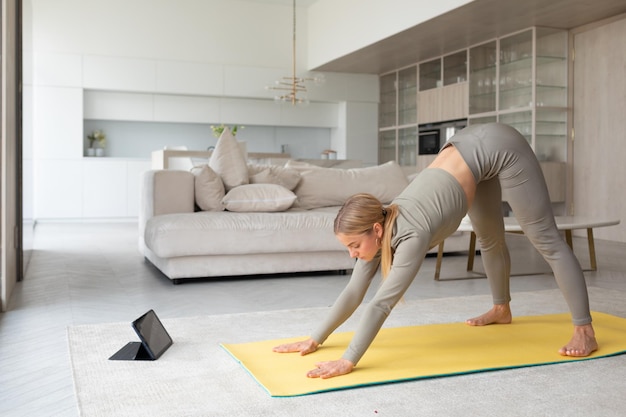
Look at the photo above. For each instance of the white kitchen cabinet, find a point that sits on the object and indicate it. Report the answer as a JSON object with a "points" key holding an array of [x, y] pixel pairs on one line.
{"points": [[194, 78], [104, 191], [59, 124], [111, 105], [59, 185], [185, 109], [119, 74], [89, 188]]}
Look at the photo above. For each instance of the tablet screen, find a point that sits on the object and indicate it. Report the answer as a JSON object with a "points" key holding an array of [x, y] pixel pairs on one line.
{"points": [[152, 333]]}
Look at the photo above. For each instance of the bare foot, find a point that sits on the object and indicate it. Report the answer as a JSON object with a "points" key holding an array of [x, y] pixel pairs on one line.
{"points": [[499, 314], [583, 342]]}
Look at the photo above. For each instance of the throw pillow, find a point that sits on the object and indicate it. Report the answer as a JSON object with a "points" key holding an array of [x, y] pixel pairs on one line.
{"points": [[258, 197], [332, 186], [228, 161], [209, 188], [273, 174]]}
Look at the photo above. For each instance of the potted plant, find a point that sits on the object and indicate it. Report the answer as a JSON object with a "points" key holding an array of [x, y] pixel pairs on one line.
{"points": [[97, 136], [218, 130]]}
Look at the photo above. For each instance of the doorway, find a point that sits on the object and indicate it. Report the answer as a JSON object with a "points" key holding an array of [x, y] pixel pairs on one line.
{"points": [[11, 267]]}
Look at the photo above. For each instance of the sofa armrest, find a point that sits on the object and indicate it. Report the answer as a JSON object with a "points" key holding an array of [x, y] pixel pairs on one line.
{"points": [[165, 192]]}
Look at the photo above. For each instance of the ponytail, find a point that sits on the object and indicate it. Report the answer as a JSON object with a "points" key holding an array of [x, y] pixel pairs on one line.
{"points": [[386, 252]]}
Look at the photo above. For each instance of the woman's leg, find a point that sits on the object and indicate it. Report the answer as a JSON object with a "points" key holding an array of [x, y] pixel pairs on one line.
{"points": [[527, 194], [487, 222], [499, 150]]}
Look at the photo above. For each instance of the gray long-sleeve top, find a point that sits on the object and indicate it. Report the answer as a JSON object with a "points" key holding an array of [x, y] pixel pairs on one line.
{"points": [[430, 209]]}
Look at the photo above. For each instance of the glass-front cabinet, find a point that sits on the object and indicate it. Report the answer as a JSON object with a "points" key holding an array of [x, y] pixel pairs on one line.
{"points": [[397, 137], [455, 68], [414, 95], [483, 78], [388, 100], [407, 146], [521, 80], [446, 70], [387, 145], [430, 74], [407, 96]]}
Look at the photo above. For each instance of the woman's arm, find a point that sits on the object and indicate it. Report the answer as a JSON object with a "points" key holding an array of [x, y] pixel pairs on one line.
{"points": [[347, 302], [407, 260], [349, 299]]}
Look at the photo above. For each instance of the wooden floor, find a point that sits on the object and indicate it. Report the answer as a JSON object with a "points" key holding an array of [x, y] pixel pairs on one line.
{"points": [[93, 273]]}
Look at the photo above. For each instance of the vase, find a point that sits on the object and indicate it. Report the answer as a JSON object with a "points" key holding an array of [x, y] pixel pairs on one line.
{"points": [[91, 151], [99, 151]]}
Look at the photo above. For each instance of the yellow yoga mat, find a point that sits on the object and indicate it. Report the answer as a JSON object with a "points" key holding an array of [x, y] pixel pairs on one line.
{"points": [[426, 351]]}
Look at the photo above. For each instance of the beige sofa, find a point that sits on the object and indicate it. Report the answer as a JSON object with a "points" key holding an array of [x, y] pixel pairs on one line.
{"points": [[280, 220]]}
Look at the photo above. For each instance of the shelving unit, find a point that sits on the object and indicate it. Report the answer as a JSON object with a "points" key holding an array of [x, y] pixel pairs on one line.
{"points": [[407, 96], [455, 68], [387, 145], [430, 74], [388, 100], [415, 95], [521, 80], [407, 146], [483, 78], [445, 70], [398, 117]]}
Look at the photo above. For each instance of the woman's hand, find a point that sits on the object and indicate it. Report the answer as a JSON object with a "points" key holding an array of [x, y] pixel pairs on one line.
{"points": [[304, 347], [331, 368]]}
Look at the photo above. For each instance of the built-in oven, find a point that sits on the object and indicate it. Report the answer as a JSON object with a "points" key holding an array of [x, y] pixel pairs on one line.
{"points": [[429, 141], [432, 136]]}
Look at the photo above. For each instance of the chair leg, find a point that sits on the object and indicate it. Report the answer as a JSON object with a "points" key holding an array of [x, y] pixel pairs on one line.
{"points": [[439, 259], [592, 249], [472, 252], [568, 239]]}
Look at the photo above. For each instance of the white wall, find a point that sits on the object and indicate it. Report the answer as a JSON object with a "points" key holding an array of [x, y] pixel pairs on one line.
{"points": [[339, 27], [160, 61], [182, 30]]}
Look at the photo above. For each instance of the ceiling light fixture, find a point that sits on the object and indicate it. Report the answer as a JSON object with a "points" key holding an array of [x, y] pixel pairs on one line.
{"points": [[294, 87]]}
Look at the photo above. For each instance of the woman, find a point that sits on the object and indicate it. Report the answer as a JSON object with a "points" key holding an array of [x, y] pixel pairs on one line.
{"points": [[467, 176]]}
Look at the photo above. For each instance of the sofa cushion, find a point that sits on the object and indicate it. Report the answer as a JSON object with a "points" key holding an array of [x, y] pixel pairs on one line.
{"points": [[332, 186], [258, 197], [273, 174], [301, 165], [229, 162], [227, 233], [209, 188]]}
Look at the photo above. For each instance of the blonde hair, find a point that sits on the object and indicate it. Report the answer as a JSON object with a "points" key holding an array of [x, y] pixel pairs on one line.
{"points": [[359, 214]]}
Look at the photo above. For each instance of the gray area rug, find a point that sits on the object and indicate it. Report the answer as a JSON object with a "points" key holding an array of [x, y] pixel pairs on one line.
{"points": [[196, 377]]}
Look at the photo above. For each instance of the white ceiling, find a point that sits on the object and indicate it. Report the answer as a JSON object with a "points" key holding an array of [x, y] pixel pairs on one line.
{"points": [[471, 24]]}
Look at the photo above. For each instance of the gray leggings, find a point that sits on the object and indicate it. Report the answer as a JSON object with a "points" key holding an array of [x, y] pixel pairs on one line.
{"points": [[503, 162]]}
